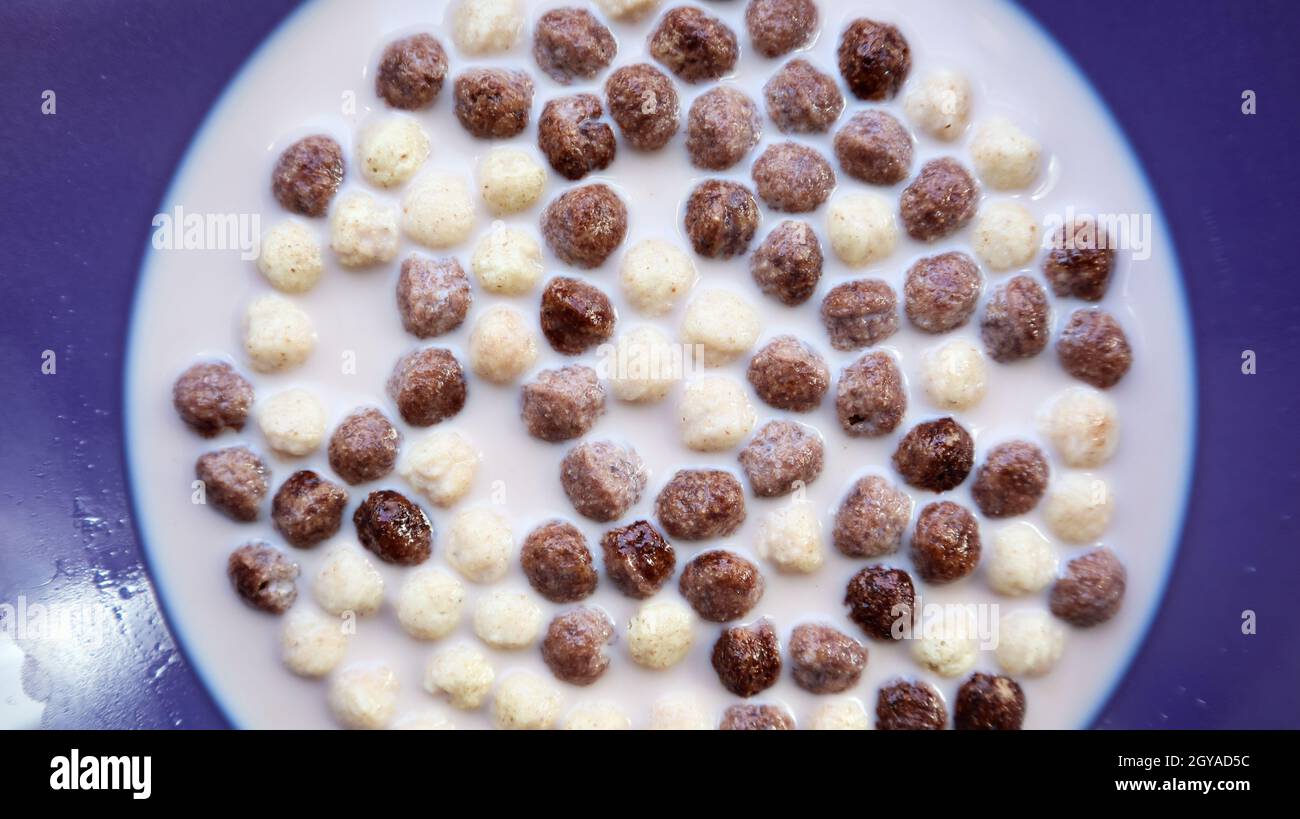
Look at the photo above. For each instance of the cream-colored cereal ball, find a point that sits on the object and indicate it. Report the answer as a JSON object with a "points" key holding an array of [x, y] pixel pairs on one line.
{"points": [[597, 716], [627, 9], [463, 673], [715, 414], [1006, 236], [679, 712], [293, 422], [846, 714], [392, 150], [1004, 156], [507, 261], [654, 275], [940, 104], [954, 375], [721, 322], [1078, 508], [348, 582], [947, 644], [510, 180], [429, 603], [479, 544], [437, 211], [441, 466], [502, 345], [643, 365], [362, 231], [487, 26], [425, 720], [277, 334], [861, 228], [1083, 424], [660, 634], [791, 538], [364, 696], [290, 257], [526, 701], [1030, 642], [312, 644], [1021, 561], [507, 619]]}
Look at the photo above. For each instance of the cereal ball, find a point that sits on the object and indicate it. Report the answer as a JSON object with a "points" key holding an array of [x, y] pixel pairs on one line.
{"points": [[1078, 508], [941, 292], [723, 323], [234, 481], [433, 296], [879, 598], [507, 261], [348, 583], [525, 701], [722, 586], [721, 218], [364, 446], [946, 543], [875, 148], [573, 136], [638, 561], [909, 706], [715, 414], [364, 697], [1011, 480], [574, 646], [290, 258], [699, 504], [679, 712], [871, 518], [874, 59], [312, 644], [394, 528], [427, 719], [756, 718], [845, 714], [654, 275], [946, 645], [793, 177], [428, 604], [644, 104], [584, 225], [602, 480], [308, 509], [1083, 425], [507, 619], [869, 398], [437, 211], [510, 180], [1021, 561], [562, 404], [861, 228], [694, 45], [1029, 642], [597, 716], [782, 456], [989, 703], [440, 466], [411, 72], [391, 150], [626, 9], [788, 264], [791, 538], [277, 334], [789, 374], [1017, 320], [307, 175], [362, 231], [954, 375], [479, 544], [935, 455], [859, 314], [263, 577], [428, 386], [747, 658], [212, 396], [802, 100], [463, 673], [940, 105], [1093, 348], [940, 201], [502, 346], [558, 563], [722, 127], [645, 366], [486, 26], [1004, 156], [571, 44], [575, 316], [660, 634], [778, 27], [1081, 260], [1091, 591], [293, 422], [825, 660], [1006, 236]]}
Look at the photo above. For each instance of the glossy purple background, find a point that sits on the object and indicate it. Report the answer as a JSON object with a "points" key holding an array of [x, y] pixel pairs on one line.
{"points": [[134, 79]]}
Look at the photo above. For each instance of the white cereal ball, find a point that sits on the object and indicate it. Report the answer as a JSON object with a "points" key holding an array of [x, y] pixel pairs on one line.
{"points": [[1021, 561], [502, 345], [1004, 156], [1006, 236], [312, 644], [463, 673], [526, 701], [627, 9], [861, 228], [392, 150], [479, 544], [644, 365], [791, 538], [507, 619], [507, 261], [348, 582], [290, 257], [947, 644], [364, 696], [425, 720], [715, 414], [679, 712], [954, 375], [597, 716], [1078, 508], [510, 180], [1083, 424], [660, 634], [293, 422], [846, 714], [940, 104], [721, 322], [654, 274], [1030, 641], [487, 26], [428, 604], [441, 466], [437, 211], [362, 231], [277, 334]]}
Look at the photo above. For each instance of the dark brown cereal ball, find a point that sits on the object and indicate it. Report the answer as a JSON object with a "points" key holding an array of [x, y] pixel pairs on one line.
{"points": [[869, 398], [638, 561], [428, 386], [721, 585], [1081, 260], [721, 127], [563, 404], [940, 292], [493, 103], [698, 504], [571, 44], [573, 136], [576, 316], [1011, 480], [1092, 590], [781, 457], [433, 296], [394, 528], [788, 264], [602, 480], [871, 518], [747, 658], [1094, 348], [557, 562], [874, 59], [793, 177], [584, 225], [643, 101], [909, 706], [859, 314], [411, 72], [789, 374], [721, 218], [935, 455], [1017, 320], [234, 481], [694, 44], [778, 27], [878, 597], [875, 148], [212, 396], [756, 718], [307, 175], [940, 201], [307, 508], [989, 703], [946, 543], [364, 446], [825, 660], [802, 100], [263, 577], [574, 646]]}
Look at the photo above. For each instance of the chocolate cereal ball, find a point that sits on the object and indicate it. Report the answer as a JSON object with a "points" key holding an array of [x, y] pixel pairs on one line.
{"points": [[584, 225], [211, 396], [394, 528], [721, 585], [722, 127], [878, 597], [638, 561], [1081, 261], [940, 201], [698, 504], [307, 175], [825, 660], [874, 59], [940, 292], [575, 315], [721, 218], [307, 508], [756, 718], [860, 314], [946, 543], [1094, 349], [263, 577], [643, 101], [574, 646], [909, 706], [234, 481], [781, 457], [563, 404], [1017, 320], [493, 103], [935, 455], [778, 27], [428, 386], [871, 518], [411, 72], [364, 446], [1011, 480], [793, 177], [602, 480], [1091, 591], [747, 658], [869, 398], [875, 148], [788, 264], [433, 296], [802, 100], [573, 136], [557, 562], [571, 44], [789, 374], [694, 45], [989, 703]]}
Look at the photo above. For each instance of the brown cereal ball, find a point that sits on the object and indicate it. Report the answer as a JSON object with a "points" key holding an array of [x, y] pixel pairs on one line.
{"points": [[778, 27], [875, 148], [793, 177], [1093, 348], [871, 518], [394, 528], [788, 264], [558, 563], [584, 225], [721, 218], [940, 292], [433, 296], [860, 314], [789, 374], [493, 103], [263, 577], [935, 455], [802, 100], [1011, 480], [1092, 589], [307, 508], [908, 706], [722, 127], [638, 561], [643, 101], [234, 481], [989, 703], [573, 137], [756, 718], [1081, 261], [946, 543], [747, 658], [428, 386], [698, 504], [878, 597], [1017, 320], [211, 396], [781, 457], [563, 404], [574, 646], [874, 59], [694, 45], [825, 660], [721, 585], [940, 201], [602, 480], [575, 315], [411, 72], [571, 44], [307, 175], [364, 446], [869, 398]]}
